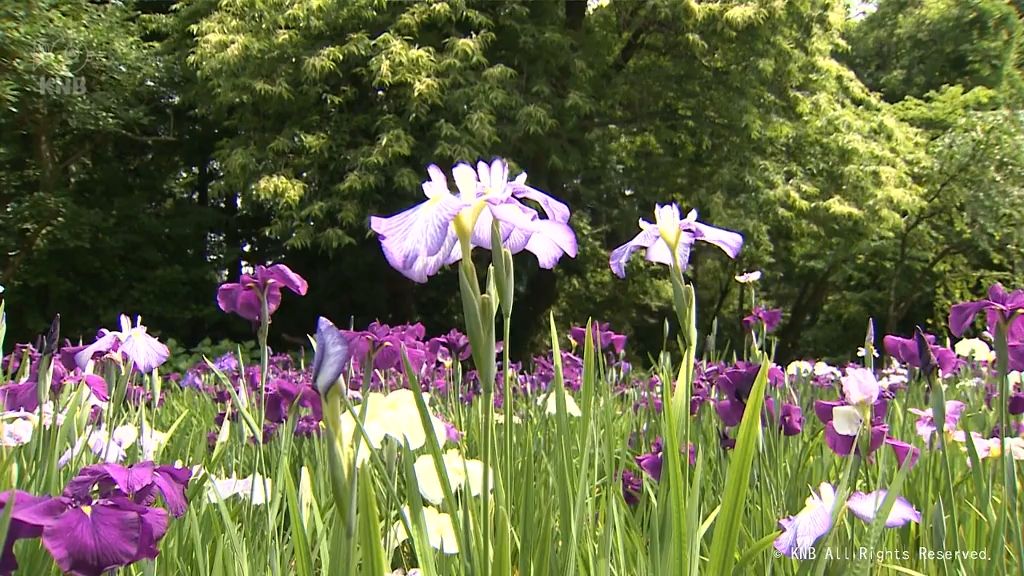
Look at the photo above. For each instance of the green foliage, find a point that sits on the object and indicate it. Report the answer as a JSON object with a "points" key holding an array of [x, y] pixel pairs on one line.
{"points": [[913, 47], [210, 135]]}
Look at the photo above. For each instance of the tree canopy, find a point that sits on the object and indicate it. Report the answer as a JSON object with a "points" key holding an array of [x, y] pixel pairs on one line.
{"points": [[151, 150]]}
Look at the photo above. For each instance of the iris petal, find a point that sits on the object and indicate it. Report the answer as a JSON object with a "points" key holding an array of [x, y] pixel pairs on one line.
{"points": [[620, 256], [332, 355], [866, 506]]}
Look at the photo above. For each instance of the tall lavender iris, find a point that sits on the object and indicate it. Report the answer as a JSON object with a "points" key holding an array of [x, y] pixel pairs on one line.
{"points": [[800, 532], [670, 236], [133, 342], [419, 241]]}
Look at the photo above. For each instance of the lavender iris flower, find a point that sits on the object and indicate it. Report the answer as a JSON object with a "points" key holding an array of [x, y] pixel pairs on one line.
{"points": [[670, 234], [801, 531], [243, 297], [333, 353], [419, 241], [145, 351], [925, 424]]}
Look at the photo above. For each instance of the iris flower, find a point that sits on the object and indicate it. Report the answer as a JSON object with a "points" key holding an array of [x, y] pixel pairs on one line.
{"points": [[243, 297], [907, 351], [925, 424], [254, 488], [332, 355], [769, 317], [862, 410], [103, 520], [440, 530], [671, 235], [393, 415], [651, 462], [460, 471], [144, 351], [419, 241], [1002, 306], [862, 404], [602, 336], [791, 420], [801, 531]]}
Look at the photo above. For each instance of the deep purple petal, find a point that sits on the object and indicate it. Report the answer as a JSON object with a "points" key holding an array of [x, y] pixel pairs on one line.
{"points": [[31, 513], [24, 396], [792, 420], [730, 411], [172, 482], [241, 299], [823, 409], [88, 541], [651, 464], [841, 444], [962, 315]]}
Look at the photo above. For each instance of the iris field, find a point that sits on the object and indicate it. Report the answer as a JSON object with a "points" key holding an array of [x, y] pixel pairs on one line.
{"points": [[386, 450]]}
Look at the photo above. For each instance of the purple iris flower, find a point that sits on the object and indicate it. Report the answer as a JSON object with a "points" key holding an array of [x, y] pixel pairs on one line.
{"points": [[140, 482], [907, 351], [632, 487], [862, 404], [791, 420], [145, 352], [455, 342], [670, 233], [332, 356], [91, 533], [1016, 404], [770, 319], [88, 537], [926, 422], [602, 335], [422, 239], [801, 531], [1004, 307], [243, 297], [21, 525], [652, 461], [23, 396], [735, 385]]}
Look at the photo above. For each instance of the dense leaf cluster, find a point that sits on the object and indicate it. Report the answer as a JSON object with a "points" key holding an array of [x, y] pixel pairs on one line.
{"points": [[149, 150]]}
